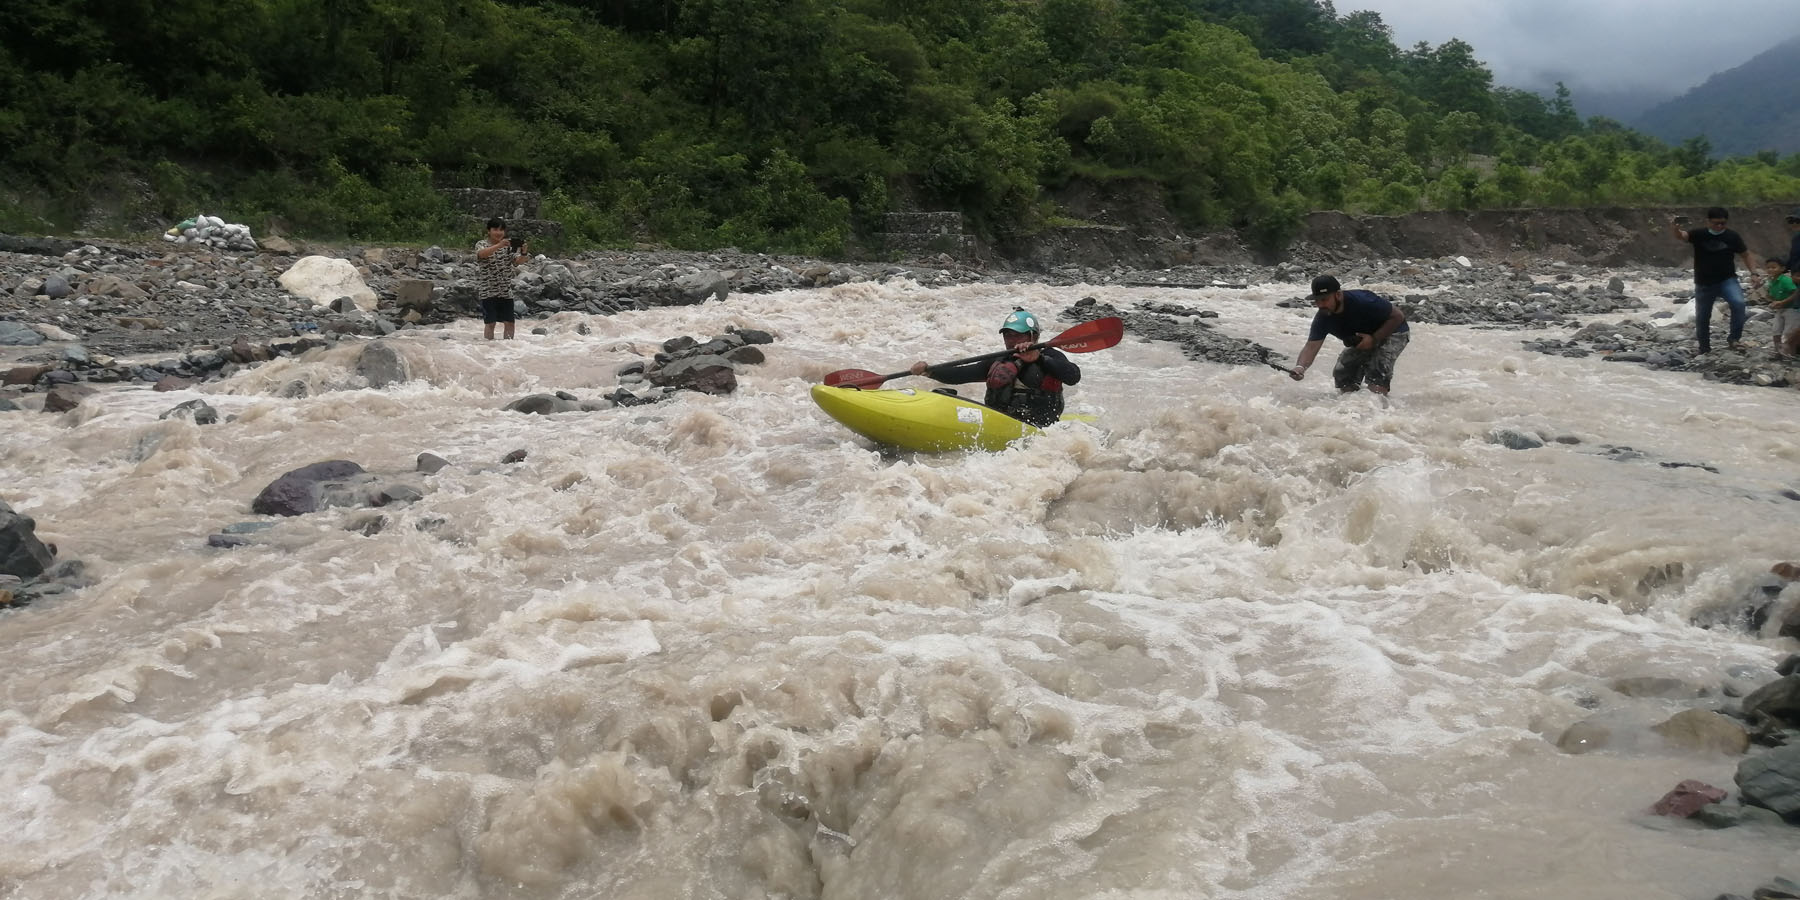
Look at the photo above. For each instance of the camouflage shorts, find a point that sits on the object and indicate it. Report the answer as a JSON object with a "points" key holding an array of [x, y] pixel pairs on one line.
{"points": [[1376, 367]]}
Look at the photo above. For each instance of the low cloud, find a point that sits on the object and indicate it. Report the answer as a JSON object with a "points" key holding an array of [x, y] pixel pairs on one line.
{"points": [[1665, 46]]}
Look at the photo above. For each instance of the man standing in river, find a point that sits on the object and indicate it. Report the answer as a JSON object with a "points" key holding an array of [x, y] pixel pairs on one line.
{"points": [[1715, 274], [1373, 330], [495, 261]]}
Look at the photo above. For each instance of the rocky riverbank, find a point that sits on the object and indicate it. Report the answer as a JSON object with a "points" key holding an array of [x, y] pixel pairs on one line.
{"points": [[76, 313]]}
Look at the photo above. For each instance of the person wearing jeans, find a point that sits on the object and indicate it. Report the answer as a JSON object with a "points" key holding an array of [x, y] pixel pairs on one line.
{"points": [[1715, 274]]}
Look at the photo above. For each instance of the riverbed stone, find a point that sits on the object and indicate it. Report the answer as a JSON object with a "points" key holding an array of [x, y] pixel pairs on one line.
{"points": [[298, 492], [1585, 736], [383, 365], [1772, 780], [22, 554], [1688, 798], [1704, 731]]}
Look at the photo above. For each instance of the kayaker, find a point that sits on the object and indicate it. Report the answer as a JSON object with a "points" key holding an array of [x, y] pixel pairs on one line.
{"points": [[1373, 330], [1026, 384]]}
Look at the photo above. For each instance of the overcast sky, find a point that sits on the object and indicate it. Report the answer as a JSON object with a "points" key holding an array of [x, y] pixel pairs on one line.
{"points": [[1600, 45]]}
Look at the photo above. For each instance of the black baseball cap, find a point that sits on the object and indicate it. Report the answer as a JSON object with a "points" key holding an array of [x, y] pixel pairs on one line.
{"points": [[1794, 216], [1325, 284]]}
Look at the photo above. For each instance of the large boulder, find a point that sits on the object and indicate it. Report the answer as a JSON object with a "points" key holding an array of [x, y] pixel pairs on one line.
{"points": [[298, 492], [543, 404], [22, 555], [1772, 780], [1704, 731], [65, 397], [113, 286], [14, 334], [1777, 701], [382, 365], [323, 279], [706, 374]]}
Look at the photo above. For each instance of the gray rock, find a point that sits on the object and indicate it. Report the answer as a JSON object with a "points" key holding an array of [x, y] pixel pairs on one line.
{"points": [[1718, 815], [383, 365], [542, 405], [77, 355], [300, 491], [247, 527], [516, 456], [56, 287], [1772, 780], [227, 541], [1778, 700], [631, 368], [13, 334], [1656, 686], [1514, 439], [344, 306], [21, 553], [1778, 889], [753, 336], [679, 345], [705, 374], [431, 463], [700, 287], [749, 356], [199, 410], [397, 494]]}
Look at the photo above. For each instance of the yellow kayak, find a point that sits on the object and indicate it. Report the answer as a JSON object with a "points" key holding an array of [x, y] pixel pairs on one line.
{"points": [[921, 420]]}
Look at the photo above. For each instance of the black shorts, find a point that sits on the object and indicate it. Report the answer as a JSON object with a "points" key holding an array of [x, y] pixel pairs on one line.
{"points": [[496, 309]]}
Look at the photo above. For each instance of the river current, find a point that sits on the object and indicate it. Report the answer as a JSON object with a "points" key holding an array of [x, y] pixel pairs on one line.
{"points": [[1239, 638]]}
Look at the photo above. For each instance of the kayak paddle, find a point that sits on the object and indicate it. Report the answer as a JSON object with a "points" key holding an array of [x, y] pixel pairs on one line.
{"points": [[1084, 338]]}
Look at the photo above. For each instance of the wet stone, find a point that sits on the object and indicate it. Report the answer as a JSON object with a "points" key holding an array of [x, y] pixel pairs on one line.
{"points": [[1514, 439]]}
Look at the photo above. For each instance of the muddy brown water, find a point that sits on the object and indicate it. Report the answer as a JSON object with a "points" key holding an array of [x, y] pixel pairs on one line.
{"points": [[1242, 638]]}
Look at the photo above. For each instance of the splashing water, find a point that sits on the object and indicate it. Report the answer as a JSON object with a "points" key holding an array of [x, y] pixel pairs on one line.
{"points": [[1241, 638]]}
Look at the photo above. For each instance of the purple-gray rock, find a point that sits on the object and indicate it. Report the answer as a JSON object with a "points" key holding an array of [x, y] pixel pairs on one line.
{"points": [[753, 336], [706, 374], [199, 410], [21, 553], [296, 493]]}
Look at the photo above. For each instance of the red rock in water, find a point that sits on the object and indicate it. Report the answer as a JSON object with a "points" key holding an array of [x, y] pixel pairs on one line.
{"points": [[1687, 798]]}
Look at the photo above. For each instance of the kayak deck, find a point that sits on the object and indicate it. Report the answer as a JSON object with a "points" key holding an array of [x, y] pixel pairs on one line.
{"points": [[924, 421]]}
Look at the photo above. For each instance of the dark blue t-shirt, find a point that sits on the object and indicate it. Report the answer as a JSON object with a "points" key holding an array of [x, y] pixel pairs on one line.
{"points": [[1364, 313], [1794, 253]]}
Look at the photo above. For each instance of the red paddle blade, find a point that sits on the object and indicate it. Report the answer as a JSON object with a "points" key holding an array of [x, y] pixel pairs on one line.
{"points": [[1090, 336], [853, 378]]}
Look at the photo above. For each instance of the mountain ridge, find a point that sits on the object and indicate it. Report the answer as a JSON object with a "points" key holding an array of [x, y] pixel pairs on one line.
{"points": [[1744, 110]]}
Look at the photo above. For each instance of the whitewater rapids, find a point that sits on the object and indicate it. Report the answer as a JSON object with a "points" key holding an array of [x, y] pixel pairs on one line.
{"points": [[1241, 638]]}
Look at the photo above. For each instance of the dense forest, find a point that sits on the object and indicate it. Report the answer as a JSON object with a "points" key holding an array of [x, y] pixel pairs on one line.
{"points": [[784, 124]]}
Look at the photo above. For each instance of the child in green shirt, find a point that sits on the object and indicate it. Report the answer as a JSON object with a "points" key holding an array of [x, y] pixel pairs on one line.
{"points": [[1781, 300]]}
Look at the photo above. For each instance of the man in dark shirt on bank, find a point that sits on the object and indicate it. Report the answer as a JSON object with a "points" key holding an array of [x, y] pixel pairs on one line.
{"points": [[1793, 224], [1373, 330], [1715, 274]]}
